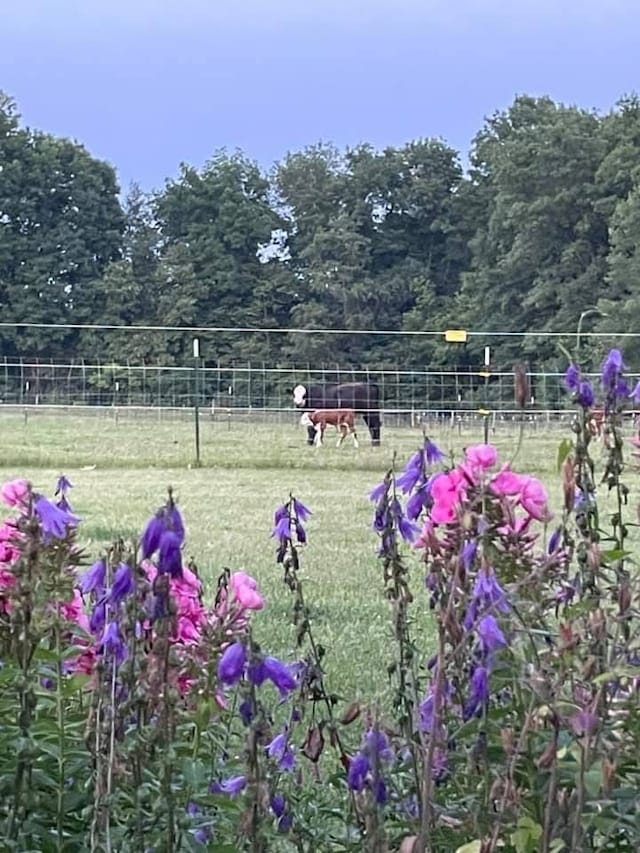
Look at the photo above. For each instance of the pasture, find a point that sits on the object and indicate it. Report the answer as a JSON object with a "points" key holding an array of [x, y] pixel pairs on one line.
{"points": [[120, 468]]}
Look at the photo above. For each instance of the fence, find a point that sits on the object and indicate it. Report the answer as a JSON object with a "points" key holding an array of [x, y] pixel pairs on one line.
{"points": [[260, 387]]}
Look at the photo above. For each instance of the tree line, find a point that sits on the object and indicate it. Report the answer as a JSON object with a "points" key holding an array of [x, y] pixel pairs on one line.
{"points": [[542, 227]]}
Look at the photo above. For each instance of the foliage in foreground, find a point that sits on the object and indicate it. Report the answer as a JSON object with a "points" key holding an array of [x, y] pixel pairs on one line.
{"points": [[136, 718]]}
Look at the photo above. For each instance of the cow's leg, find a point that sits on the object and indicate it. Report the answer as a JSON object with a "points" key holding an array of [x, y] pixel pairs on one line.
{"points": [[355, 437], [311, 435], [343, 429], [319, 432], [372, 420]]}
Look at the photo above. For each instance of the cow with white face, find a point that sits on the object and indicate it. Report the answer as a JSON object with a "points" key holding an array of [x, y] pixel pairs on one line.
{"points": [[299, 396], [362, 397]]}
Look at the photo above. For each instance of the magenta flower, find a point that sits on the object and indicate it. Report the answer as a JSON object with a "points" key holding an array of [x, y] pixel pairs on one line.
{"points": [[14, 493], [232, 663]]}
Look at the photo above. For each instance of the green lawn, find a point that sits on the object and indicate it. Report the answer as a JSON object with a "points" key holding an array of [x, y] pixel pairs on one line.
{"points": [[248, 469]]}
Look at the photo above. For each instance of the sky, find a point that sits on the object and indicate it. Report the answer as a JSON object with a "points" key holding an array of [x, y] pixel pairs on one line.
{"points": [[150, 84]]}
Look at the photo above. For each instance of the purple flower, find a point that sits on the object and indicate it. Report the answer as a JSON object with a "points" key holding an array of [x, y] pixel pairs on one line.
{"points": [[572, 378], [246, 712], [377, 492], [408, 530], [584, 723], [302, 512], [174, 522], [93, 579], [479, 693], [300, 533], [282, 530], [490, 634], [432, 453], [585, 395], [377, 744], [151, 536], [409, 479], [487, 594], [278, 806], [170, 556], [418, 501], [280, 751], [98, 618], [112, 643], [232, 787], [554, 541], [280, 513], [279, 674], [426, 713], [123, 585], [358, 771], [635, 394], [469, 555], [612, 367], [231, 664], [202, 835], [54, 521], [379, 791], [63, 485]]}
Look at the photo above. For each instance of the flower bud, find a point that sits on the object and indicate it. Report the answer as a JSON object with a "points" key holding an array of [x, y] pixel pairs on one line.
{"points": [[314, 744], [350, 714]]}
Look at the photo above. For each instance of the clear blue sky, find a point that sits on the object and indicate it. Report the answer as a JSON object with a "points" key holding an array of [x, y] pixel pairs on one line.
{"points": [[147, 84]]}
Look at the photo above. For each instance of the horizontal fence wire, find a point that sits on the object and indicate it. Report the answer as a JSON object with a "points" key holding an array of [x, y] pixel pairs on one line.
{"points": [[252, 387]]}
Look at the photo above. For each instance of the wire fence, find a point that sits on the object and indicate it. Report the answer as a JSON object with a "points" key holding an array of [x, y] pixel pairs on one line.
{"points": [[258, 388]]}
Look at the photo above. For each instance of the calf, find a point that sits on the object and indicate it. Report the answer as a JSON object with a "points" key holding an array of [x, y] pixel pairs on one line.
{"points": [[595, 423], [343, 420]]}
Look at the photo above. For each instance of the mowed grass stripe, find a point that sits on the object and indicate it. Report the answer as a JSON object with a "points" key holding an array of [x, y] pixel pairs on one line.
{"points": [[228, 507]]}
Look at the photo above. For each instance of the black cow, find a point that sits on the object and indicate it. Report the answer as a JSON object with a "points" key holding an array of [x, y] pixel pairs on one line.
{"points": [[362, 397]]}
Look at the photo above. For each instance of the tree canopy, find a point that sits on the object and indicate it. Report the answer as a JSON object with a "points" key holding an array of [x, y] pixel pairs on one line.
{"points": [[543, 227]]}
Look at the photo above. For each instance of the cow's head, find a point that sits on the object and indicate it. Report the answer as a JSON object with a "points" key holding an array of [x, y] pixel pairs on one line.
{"points": [[305, 420], [299, 395]]}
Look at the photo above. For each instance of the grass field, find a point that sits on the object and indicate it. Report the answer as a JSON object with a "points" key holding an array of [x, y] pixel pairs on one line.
{"points": [[121, 469]]}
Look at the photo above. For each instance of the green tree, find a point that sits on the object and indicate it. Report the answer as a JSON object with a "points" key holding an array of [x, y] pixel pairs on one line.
{"points": [[60, 226], [539, 252]]}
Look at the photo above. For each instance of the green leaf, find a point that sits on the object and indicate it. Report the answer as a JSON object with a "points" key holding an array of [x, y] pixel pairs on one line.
{"points": [[564, 449], [471, 847], [525, 838]]}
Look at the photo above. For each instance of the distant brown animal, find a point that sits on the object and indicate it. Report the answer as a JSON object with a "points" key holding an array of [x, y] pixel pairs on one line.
{"points": [[595, 424], [344, 420]]}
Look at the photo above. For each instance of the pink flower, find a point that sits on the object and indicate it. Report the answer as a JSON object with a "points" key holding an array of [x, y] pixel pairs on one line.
{"points": [[14, 492], [245, 591], [533, 499], [481, 457], [73, 611], [446, 492], [506, 483]]}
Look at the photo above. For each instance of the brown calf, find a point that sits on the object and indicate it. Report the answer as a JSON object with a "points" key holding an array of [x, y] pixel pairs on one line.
{"points": [[343, 420], [595, 423]]}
